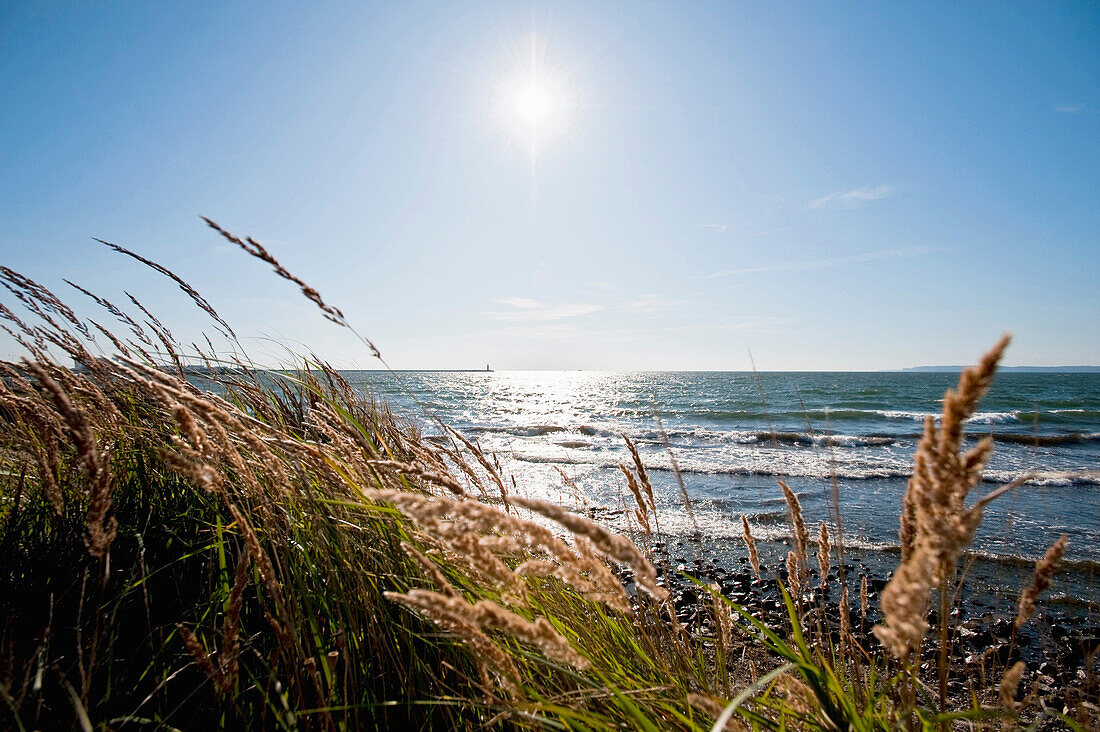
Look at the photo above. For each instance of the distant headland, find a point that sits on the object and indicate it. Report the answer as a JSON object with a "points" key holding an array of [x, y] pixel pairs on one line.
{"points": [[1016, 369]]}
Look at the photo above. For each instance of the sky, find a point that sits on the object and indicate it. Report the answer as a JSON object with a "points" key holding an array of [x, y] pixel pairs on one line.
{"points": [[645, 186]]}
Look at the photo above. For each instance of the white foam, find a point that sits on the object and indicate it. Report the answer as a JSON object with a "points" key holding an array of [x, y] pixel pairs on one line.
{"points": [[993, 417], [979, 418], [732, 460], [853, 440], [1048, 477], [902, 414]]}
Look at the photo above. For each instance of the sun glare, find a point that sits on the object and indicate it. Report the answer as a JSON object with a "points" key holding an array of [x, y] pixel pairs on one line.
{"points": [[532, 102]]}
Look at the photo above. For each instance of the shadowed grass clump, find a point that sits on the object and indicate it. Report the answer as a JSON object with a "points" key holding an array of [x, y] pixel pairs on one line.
{"points": [[277, 550]]}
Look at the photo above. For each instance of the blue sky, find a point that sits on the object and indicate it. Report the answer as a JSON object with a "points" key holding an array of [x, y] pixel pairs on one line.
{"points": [[829, 185]]}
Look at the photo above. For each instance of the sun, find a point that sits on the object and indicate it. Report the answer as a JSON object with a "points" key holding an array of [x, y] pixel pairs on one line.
{"points": [[534, 103], [533, 100]]}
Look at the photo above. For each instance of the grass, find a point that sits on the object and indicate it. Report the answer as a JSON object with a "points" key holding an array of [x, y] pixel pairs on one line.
{"points": [[290, 554]]}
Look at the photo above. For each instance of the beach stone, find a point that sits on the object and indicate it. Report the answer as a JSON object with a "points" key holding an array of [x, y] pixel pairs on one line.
{"points": [[1005, 654], [1082, 647]]}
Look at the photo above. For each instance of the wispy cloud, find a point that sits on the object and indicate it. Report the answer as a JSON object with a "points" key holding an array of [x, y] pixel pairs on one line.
{"points": [[824, 263], [716, 227], [608, 300], [855, 197], [523, 303], [1069, 108], [526, 310]]}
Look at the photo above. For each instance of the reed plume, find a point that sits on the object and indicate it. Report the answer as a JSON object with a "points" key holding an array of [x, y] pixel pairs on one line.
{"points": [[431, 569], [716, 708], [201, 656], [641, 510], [794, 572], [187, 289], [936, 524], [417, 471], [800, 536], [905, 604], [612, 545], [487, 655], [823, 554], [845, 618], [750, 542], [44, 426], [643, 474], [253, 247], [489, 615], [800, 698], [1040, 581], [263, 562], [863, 597], [473, 531], [101, 528], [723, 621], [1010, 683], [228, 658], [491, 469]]}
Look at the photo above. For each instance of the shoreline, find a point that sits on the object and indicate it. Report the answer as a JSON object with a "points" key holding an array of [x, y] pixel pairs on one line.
{"points": [[1055, 644]]}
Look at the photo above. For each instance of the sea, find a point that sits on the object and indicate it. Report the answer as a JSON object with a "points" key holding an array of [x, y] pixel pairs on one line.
{"points": [[840, 440]]}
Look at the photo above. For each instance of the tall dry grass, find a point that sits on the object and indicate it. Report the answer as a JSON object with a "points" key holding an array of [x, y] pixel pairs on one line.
{"points": [[278, 550]]}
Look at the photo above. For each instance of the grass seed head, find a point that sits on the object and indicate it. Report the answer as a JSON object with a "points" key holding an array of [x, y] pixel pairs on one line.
{"points": [[800, 536], [1041, 580], [823, 548], [750, 543]]}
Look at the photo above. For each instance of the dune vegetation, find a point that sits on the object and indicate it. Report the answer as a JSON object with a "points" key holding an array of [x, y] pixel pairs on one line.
{"points": [[276, 550]]}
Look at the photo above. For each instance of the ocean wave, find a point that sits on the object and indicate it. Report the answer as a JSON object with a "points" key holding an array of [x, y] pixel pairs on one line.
{"points": [[540, 430], [978, 418], [806, 438], [854, 440], [692, 466], [878, 439], [751, 437], [692, 437], [810, 467], [993, 417], [1068, 438], [533, 430], [1048, 477], [902, 414]]}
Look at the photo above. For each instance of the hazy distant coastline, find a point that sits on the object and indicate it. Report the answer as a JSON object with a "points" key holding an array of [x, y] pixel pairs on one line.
{"points": [[1019, 369]]}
